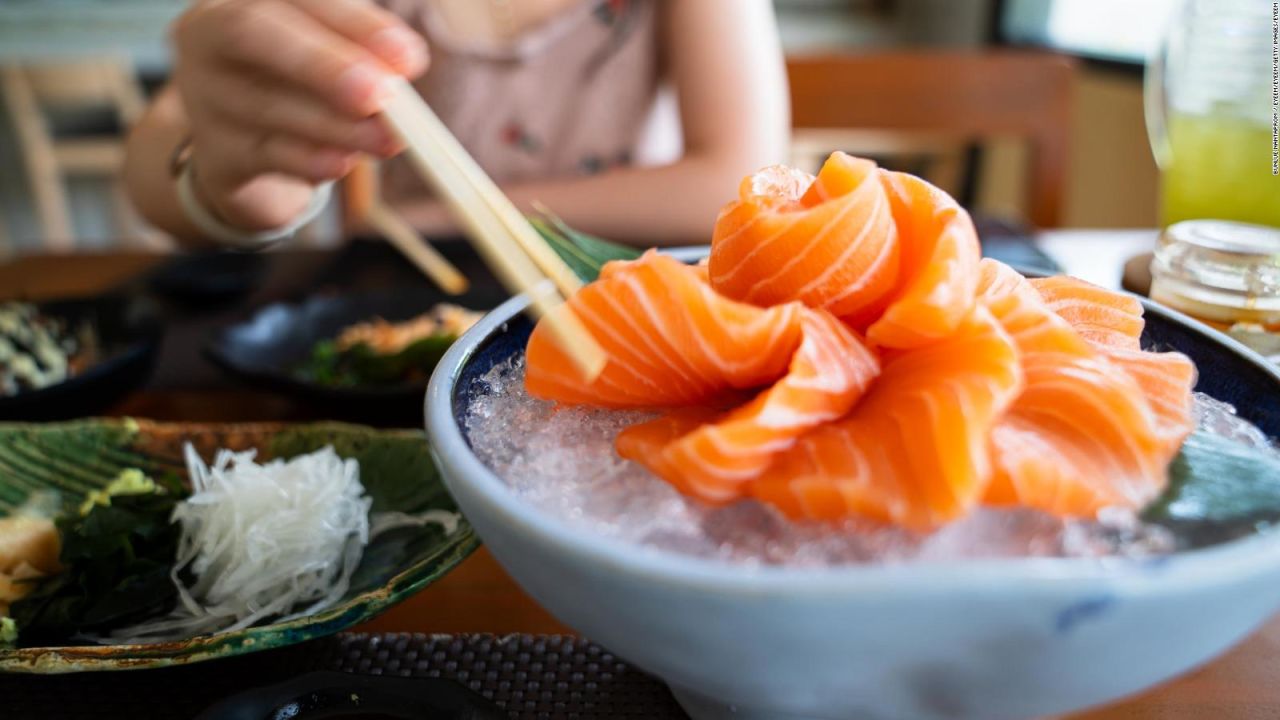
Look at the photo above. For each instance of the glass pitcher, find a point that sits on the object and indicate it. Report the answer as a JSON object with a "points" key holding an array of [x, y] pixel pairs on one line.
{"points": [[1209, 109]]}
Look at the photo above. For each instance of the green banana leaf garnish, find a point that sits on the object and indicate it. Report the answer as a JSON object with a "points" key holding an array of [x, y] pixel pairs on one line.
{"points": [[584, 254], [1218, 490]]}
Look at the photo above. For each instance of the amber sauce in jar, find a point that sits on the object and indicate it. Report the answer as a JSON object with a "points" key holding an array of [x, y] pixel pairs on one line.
{"points": [[1225, 274]]}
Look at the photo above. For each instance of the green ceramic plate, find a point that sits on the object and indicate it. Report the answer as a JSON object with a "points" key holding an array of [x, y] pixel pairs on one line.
{"points": [[395, 467]]}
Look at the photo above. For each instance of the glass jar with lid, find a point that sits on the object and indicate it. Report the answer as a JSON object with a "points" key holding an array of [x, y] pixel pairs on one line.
{"points": [[1226, 274]]}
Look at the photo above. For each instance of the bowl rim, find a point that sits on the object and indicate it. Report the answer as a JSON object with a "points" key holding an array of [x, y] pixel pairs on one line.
{"points": [[1222, 563]]}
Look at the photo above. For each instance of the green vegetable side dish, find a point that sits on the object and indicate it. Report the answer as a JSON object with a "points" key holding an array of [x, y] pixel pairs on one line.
{"points": [[118, 547], [381, 353], [362, 365], [76, 459], [37, 350], [335, 363]]}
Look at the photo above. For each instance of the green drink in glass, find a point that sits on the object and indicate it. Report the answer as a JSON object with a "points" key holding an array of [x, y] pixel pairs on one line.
{"points": [[1220, 168], [1209, 114]]}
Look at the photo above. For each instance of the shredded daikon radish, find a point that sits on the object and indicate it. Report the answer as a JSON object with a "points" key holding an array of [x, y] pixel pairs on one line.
{"points": [[279, 540]]}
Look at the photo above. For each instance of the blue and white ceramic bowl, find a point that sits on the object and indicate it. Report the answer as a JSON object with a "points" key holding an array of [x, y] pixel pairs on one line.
{"points": [[987, 639]]}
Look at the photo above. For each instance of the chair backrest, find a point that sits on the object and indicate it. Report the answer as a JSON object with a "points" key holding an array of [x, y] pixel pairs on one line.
{"points": [[107, 81], [29, 91], [973, 95]]}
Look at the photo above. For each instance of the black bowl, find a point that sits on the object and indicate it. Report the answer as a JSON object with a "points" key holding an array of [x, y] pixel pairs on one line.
{"points": [[266, 350], [129, 335], [201, 279]]}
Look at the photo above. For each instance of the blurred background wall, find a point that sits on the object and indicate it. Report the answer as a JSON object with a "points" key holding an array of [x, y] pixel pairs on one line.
{"points": [[1111, 180]]}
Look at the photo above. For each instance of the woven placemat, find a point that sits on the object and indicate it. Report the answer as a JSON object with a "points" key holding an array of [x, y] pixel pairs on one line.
{"points": [[534, 677]]}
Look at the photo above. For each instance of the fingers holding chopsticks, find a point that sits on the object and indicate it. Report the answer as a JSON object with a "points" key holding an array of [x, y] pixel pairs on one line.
{"points": [[265, 82], [326, 49]]}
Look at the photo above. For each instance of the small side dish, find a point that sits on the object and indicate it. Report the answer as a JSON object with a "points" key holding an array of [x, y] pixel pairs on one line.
{"points": [[196, 538], [378, 352], [38, 350], [145, 560]]}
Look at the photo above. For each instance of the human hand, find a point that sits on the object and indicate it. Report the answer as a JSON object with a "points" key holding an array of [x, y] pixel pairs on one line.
{"points": [[282, 95]]}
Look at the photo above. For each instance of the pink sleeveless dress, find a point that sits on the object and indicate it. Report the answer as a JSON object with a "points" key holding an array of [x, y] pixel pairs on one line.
{"points": [[569, 98]]}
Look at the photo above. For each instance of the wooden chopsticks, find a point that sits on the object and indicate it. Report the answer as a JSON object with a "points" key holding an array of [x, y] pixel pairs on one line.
{"points": [[504, 238], [406, 239], [362, 201]]}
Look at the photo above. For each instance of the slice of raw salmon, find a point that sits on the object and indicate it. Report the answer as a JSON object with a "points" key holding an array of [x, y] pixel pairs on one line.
{"points": [[939, 265], [713, 457], [1113, 322], [669, 338], [828, 242], [1082, 435], [1167, 380], [914, 451], [1099, 315], [880, 249]]}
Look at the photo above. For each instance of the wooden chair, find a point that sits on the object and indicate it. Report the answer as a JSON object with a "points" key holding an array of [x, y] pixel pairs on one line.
{"points": [[30, 91], [927, 97]]}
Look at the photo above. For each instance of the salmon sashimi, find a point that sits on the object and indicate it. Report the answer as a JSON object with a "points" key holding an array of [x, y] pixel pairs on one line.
{"points": [[915, 450], [845, 352], [1099, 315], [1167, 380], [939, 265], [828, 242], [1081, 436], [1113, 322], [1024, 314], [712, 457], [669, 339]]}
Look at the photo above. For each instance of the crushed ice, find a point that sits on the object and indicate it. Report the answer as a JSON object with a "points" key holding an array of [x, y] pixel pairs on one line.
{"points": [[1220, 418], [561, 460]]}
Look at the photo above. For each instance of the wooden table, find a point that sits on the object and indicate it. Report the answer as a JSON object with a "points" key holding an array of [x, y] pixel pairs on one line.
{"points": [[479, 596]]}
